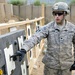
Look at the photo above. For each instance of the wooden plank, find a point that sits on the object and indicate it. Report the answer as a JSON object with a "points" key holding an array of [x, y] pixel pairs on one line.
{"points": [[8, 25]]}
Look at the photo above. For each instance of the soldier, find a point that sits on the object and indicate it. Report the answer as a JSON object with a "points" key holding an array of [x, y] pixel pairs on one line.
{"points": [[60, 39]]}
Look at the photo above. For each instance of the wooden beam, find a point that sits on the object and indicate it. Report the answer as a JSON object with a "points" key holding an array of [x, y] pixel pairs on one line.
{"points": [[15, 24]]}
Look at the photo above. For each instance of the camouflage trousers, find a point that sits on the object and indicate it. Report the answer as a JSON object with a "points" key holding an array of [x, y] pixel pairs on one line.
{"points": [[49, 71]]}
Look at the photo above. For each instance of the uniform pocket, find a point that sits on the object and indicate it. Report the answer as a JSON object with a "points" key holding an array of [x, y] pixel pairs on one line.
{"points": [[52, 35], [70, 36]]}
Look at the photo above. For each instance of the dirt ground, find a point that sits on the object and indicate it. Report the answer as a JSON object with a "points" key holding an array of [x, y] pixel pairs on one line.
{"points": [[39, 66]]}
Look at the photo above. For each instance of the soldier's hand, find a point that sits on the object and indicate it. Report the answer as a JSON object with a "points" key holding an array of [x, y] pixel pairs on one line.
{"points": [[20, 54], [72, 67]]}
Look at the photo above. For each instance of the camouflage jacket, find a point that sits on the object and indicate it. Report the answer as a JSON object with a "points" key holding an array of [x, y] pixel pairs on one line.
{"points": [[59, 45]]}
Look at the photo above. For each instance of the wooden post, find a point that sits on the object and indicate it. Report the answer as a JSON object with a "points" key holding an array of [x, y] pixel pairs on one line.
{"points": [[43, 13], [2, 13], [42, 22], [0, 32], [3, 1], [43, 9]]}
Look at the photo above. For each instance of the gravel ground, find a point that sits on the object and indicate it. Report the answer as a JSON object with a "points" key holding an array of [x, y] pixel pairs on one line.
{"points": [[39, 66]]}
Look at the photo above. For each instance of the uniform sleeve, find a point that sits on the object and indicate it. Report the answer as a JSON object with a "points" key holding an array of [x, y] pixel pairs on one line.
{"points": [[73, 40], [36, 38]]}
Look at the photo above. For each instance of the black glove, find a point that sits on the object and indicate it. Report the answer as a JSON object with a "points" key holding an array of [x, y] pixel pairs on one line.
{"points": [[19, 53], [72, 67]]}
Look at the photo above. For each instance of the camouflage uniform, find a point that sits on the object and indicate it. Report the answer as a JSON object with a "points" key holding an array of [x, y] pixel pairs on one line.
{"points": [[59, 56], [49, 71], [60, 41], [59, 45]]}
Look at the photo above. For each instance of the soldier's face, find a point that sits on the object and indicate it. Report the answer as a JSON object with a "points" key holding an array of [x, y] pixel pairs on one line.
{"points": [[59, 16]]}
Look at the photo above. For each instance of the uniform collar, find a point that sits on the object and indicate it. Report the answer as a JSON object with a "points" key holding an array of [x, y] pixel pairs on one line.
{"points": [[65, 27]]}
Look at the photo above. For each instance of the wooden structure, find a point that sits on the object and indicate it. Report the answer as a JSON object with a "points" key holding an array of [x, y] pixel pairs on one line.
{"points": [[30, 29]]}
